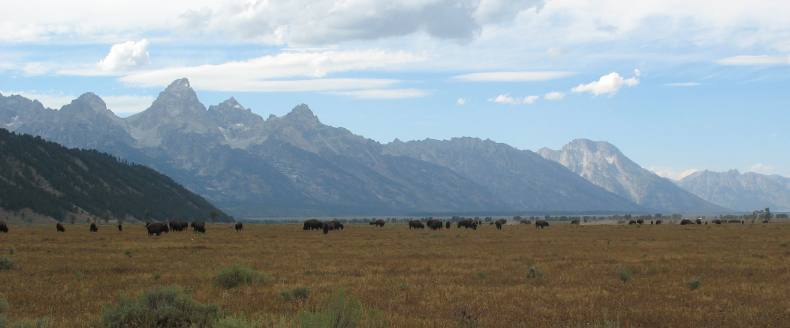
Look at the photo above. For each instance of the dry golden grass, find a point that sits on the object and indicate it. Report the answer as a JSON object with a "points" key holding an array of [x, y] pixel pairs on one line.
{"points": [[426, 278]]}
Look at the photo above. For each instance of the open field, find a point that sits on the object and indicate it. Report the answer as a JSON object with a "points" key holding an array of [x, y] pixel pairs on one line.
{"points": [[602, 275]]}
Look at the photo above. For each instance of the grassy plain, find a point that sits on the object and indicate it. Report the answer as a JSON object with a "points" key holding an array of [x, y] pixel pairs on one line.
{"points": [[563, 276]]}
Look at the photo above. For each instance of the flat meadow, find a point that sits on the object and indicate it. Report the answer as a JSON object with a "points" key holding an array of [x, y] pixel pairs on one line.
{"points": [[668, 275]]}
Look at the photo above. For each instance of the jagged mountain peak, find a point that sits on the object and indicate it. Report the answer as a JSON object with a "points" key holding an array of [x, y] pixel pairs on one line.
{"points": [[303, 115], [88, 102], [230, 104]]}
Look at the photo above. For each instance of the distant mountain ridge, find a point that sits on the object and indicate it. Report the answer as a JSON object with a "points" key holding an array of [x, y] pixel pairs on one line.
{"points": [[604, 165], [53, 181], [294, 165], [747, 191]]}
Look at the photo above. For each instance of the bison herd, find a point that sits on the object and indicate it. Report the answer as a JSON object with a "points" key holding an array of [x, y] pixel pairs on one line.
{"points": [[325, 226]]}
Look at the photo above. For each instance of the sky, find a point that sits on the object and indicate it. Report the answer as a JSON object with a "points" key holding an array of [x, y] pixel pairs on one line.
{"points": [[677, 85]]}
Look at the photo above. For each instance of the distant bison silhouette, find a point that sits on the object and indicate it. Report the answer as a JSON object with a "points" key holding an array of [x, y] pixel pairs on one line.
{"points": [[640, 221], [499, 223], [468, 224], [434, 224], [238, 226], [3, 227], [541, 224], [332, 225], [447, 225], [313, 224], [575, 221], [379, 223], [631, 221], [59, 227], [716, 221], [178, 225], [156, 228], [686, 221], [198, 227], [415, 224], [120, 227], [733, 221], [94, 228], [658, 221]]}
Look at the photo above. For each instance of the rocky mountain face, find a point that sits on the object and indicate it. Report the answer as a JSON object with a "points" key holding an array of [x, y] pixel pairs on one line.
{"points": [[740, 191], [296, 165], [60, 183], [520, 178], [604, 165]]}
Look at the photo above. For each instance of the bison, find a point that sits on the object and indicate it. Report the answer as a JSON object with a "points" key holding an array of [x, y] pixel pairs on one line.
{"points": [[541, 224], [198, 227], [156, 228], [716, 221], [178, 225], [94, 228], [658, 221], [238, 226], [415, 224], [3, 227], [640, 221], [434, 224], [685, 222], [120, 227], [447, 225], [575, 221], [313, 224], [468, 224], [59, 227], [631, 222], [379, 223], [499, 223], [332, 225]]}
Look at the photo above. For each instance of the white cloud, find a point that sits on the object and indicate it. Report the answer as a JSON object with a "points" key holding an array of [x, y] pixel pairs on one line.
{"points": [[671, 173], [383, 93], [762, 168], [126, 55], [287, 71], [120, 104], [608, 84], [506, 99], [748, 60], [460, 102], [683, 84], [523, 76], [554, 96]]}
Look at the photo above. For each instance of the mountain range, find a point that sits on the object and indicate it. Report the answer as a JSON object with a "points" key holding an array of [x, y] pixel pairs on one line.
{"points": [[39, 178], [740, 191], [295, 165]]}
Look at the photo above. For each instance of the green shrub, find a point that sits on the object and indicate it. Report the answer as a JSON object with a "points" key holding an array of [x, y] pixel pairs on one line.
{"points": [[625, 274], [6, 264], [299, 294], [235, 322], [534, 273], [238, 275], [342, 311], [695, 283], [160, 307]]}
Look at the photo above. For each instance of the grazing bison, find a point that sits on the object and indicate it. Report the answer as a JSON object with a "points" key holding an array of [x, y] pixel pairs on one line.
{"points": [[575, 221], [178, 225], [59, 227], [120, 227], [332, 225], [238, 226], [313, 224], [658, 221], [156, 228], [631, 222], [198, 227], [379, 223], [447, 225], [699, 221], [640, 221], [3, 227], [541, 224], [716, 221], [499, 223], [415, 224], [468, 224], [685, 222], [94, 228], [434, 224]]}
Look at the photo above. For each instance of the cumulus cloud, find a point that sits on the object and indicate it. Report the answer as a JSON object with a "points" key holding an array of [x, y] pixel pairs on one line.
{"points": [[555, 95], [608, 84], [286, 71], [748, 60], [460, 102], [513, 76], [126, 55], [507, 99]]}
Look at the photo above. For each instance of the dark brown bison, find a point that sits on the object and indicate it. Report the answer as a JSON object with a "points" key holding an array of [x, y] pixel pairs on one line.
{"points": [[198, 227], [640, 221], [3, 227], [447, 225], [685, 222], [178, 225], [157, 228], [379, 223], [415, 224], [631, 221], [658, 221], [120, 227], [59, 227], [541, 224], [94, 228], [575, 221], [699, 221], [238, 226], [468, 224], [499, 223], [716, 221], [332, 225], [313, 224], [434, 224]]}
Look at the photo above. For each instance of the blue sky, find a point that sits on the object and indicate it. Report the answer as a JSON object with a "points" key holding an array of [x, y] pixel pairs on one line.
{"points": [[676, 85]]}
